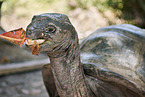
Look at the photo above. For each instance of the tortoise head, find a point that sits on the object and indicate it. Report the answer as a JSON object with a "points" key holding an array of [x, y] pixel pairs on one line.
{"points": [[54, 28]]}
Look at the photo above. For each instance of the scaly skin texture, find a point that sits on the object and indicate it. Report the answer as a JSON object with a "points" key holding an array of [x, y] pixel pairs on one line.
{"points": [[63, 50], [111, 62]]}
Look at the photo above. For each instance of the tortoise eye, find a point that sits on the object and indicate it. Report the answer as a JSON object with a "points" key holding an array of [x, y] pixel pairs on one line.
{"points": [[50, 29]]}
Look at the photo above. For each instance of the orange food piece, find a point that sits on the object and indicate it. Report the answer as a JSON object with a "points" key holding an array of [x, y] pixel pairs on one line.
{"points": [[18, 37]]}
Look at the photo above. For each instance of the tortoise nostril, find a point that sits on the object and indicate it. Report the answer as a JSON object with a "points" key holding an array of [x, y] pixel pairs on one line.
{"points": [[29, 32]]}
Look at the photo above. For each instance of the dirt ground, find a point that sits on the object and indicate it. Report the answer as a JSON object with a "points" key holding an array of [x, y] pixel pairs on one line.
{"points": [[28, 84]]}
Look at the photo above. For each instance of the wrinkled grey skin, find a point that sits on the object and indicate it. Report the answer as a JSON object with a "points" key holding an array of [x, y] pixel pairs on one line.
{"points": [[108, 63]]}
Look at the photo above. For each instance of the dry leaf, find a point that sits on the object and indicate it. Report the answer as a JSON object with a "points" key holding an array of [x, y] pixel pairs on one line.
{"points": [[18, 37], [35, 48]]}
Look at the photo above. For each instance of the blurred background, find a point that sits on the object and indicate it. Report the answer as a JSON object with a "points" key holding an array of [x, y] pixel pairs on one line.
{"points": [[85, 15]]}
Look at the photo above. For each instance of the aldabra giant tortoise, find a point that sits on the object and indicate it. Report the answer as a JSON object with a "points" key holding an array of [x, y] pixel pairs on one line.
{"points": [[108, 63]]}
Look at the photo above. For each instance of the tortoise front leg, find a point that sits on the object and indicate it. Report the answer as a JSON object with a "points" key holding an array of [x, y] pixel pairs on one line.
{"points": [[49, 81]]}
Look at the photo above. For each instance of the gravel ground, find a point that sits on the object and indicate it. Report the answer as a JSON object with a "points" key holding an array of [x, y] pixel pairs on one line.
{"points": [[28, 84]]}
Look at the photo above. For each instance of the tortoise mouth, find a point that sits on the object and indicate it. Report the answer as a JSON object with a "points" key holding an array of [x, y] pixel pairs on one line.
{"points": [[30, 42], [39, 40], [35, 44]]}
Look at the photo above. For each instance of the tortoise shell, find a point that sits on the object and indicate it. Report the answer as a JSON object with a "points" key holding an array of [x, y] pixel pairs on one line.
{"points": [[117, 53]]}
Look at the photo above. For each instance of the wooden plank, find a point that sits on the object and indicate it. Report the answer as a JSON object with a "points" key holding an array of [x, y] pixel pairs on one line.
{"points": [[21, 67]]}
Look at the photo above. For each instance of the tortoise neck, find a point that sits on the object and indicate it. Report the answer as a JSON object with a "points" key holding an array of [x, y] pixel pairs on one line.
{"points": [[68, 73]]}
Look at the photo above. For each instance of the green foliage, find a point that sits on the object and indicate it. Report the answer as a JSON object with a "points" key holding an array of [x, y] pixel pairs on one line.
{"points": [[101, 5], [122, 8], [85, 4]]}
